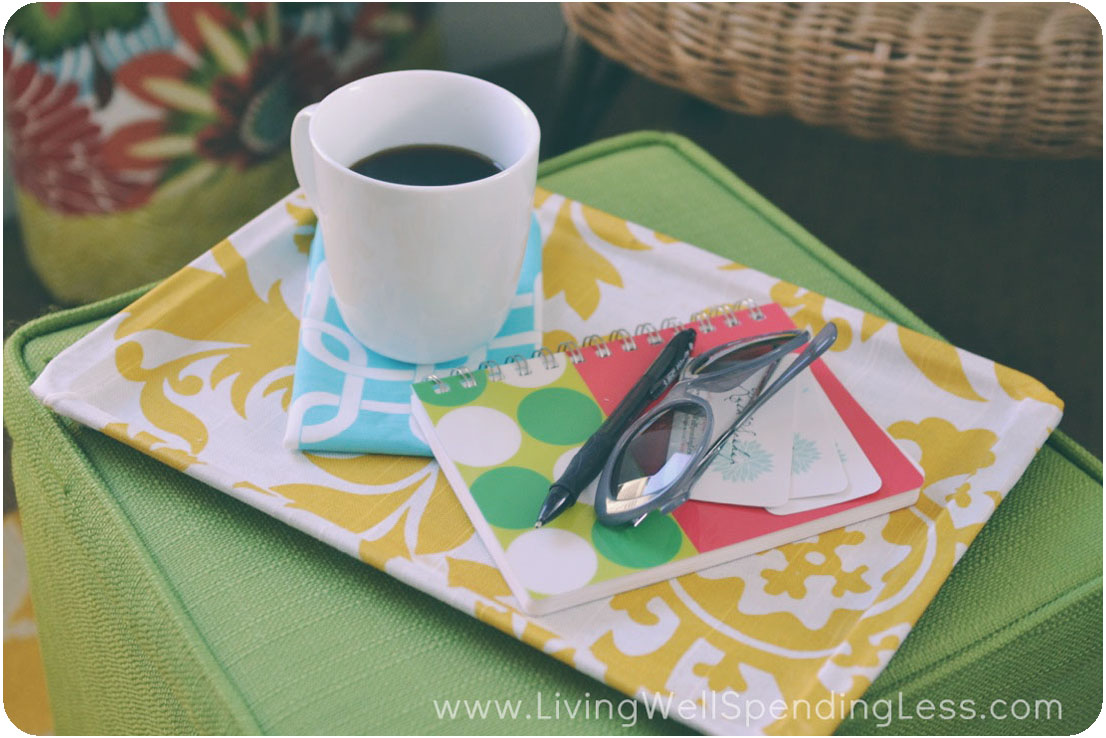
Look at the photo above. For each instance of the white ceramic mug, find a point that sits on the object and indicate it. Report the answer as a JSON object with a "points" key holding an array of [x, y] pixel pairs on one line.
{"points": [[420, 274]]}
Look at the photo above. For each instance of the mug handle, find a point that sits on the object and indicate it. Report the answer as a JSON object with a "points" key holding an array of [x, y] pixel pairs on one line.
{"points": [[303, 158]]}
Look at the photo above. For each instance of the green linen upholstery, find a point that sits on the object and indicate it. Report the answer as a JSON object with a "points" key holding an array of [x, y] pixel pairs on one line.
{"points": [[167, 607]]}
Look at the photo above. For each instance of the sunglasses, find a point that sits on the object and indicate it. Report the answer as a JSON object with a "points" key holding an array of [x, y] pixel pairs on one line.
{"points": [[655, 463]]}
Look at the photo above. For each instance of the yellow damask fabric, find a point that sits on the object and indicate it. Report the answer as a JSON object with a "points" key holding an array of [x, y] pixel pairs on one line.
{"points": [[198, 374]]}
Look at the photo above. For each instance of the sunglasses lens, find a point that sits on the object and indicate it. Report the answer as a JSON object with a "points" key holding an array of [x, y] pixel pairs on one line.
{"points": [[747, 352], [660, 452]]}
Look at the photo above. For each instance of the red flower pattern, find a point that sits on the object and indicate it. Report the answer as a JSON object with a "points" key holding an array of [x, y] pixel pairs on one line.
{"points": [[286, 79], [239, 117], [56, 149], [224, 95]]}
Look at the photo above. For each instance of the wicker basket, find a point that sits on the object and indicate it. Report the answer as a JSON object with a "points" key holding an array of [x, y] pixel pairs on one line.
{"points": [[968, 78]]}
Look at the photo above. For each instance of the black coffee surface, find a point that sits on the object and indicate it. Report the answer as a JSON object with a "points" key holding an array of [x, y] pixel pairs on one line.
{"points": [[426, 165]]}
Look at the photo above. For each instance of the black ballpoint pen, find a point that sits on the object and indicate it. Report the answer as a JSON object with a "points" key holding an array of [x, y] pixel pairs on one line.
{"points": [[588, 461]]}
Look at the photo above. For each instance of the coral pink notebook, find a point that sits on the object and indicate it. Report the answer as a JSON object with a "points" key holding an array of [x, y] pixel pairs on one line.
{"points": [[503, 435]]}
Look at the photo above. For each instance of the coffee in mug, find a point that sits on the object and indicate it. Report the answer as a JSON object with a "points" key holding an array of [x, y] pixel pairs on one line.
{"points": [[426, 165]]}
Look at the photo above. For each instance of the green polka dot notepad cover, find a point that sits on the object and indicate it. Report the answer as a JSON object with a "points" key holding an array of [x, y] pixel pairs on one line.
{"points": [[503, 435]]}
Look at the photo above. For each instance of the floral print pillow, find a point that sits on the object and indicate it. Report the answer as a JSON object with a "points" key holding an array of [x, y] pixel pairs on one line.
{"points": [[140, 134]]}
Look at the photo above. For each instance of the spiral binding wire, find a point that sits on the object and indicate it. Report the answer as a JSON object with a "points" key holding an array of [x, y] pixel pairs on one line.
{"points": [[754, 310], [573, 352], [521, 365], [495, 372], [702, 318], [467, 380], [548, 358], [602, 351], [652, 335], [729, 317], [626, 341]]}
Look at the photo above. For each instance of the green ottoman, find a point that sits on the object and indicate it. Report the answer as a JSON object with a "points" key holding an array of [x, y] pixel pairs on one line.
{"points": [[161, 604]]}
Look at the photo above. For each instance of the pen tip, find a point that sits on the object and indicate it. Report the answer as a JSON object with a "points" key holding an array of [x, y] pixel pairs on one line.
{"points": [[537, 524]]}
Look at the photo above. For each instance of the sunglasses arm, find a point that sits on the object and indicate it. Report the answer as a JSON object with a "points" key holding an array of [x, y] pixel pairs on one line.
{"points": [[817, 346]]}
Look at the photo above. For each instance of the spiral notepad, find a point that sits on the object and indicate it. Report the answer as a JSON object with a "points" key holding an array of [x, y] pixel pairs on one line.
{"points": [[504, 433]]}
